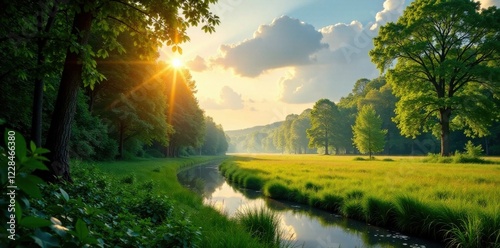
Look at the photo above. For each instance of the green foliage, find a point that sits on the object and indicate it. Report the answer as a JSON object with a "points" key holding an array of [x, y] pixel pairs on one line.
{"points": [[90, 137], [324, 124], [368, 136], [262, 223], [276, 190], [442, 84], [473, 151], [183, 113], [215, 141]]}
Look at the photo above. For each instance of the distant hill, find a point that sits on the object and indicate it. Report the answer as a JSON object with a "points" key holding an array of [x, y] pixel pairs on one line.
{"points": [[246, 131], [250, 139]]}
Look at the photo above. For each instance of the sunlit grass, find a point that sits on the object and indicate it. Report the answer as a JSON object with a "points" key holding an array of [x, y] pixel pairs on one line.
{"points": [[427, 199]]}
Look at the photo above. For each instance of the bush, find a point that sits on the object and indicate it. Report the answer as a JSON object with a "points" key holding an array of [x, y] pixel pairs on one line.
{"points": [[473, 151]]}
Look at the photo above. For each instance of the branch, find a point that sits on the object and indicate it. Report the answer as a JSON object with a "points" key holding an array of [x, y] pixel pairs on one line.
{"points": [[126, 24]]}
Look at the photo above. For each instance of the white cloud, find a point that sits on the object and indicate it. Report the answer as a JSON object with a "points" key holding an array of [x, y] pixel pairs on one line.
{"points": [[285, 42], [345, 61], [197, 64], [228, 99]]}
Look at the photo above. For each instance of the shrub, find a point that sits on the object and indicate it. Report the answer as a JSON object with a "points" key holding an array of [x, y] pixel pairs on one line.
{"points": [[473, 151], [129, 179]]}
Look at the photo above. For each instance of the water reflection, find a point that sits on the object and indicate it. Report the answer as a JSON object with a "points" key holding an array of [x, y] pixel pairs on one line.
{"points": [[308, 226]]}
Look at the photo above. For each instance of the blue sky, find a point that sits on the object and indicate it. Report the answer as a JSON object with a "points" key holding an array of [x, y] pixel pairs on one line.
{"points": [[271, 58]]}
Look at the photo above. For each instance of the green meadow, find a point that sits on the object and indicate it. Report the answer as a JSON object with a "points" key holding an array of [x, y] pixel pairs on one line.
{"points": [[458, 204]]}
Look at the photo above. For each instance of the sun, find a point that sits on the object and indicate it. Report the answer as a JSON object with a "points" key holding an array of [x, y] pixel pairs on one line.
{"points": [[176, 63]]}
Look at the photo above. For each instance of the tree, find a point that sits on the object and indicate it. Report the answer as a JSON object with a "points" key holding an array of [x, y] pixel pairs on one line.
{"points": [[151, 23], [298, 132], [183, 112], [132, 97], [368, 136], [444, 54], [215, 142], [323, 124]]}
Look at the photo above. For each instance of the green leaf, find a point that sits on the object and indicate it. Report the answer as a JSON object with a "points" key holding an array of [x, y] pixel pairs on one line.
{"points": [[174, 49], [82, 232], [33, 164], [20, 146], [29, 185], [64, 194], [34, 222], [40, 150], [32, 146], [19, 211], [44, 239]]}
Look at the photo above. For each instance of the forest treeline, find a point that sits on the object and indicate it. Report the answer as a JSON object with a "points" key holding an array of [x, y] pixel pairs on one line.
{"points": [[140, 108], [290, 135]]}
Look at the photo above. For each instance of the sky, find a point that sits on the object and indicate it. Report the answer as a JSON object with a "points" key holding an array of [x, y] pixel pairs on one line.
{"points": [[268, 59]]}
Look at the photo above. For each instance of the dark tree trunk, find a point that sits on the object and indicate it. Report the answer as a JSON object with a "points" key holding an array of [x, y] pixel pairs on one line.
{"points": [[65, 107], [121, 140], [445, 131], [36, 118]]}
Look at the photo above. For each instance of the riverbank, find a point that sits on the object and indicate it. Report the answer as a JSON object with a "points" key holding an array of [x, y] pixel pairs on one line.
{"points": [[216, 230], [453, 203]]}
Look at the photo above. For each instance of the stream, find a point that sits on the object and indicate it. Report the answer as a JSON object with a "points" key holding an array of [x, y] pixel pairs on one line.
{"points": [[305, 226]]}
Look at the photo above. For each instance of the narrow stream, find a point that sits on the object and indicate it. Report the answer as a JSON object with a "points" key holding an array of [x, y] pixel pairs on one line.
{"points": [[306, 226]]}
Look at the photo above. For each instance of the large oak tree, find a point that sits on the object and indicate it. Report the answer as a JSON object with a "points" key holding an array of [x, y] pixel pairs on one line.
{"points": [[440, 60]]}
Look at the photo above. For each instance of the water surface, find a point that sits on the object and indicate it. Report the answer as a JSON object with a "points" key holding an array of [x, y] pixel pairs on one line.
{"points": [[306, 226]]}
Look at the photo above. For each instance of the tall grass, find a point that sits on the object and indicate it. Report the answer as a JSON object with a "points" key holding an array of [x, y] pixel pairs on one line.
{"points": [[444, 201], [263, 224]]}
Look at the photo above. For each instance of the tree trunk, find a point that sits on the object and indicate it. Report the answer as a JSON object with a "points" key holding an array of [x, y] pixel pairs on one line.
{"points": [[121, 140], [445, 131], [326, 143], [36, 118], [65, 107]]}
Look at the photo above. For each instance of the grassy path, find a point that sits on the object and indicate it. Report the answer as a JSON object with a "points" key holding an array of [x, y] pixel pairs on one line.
{"points": [[216, 229], [455, 203]]}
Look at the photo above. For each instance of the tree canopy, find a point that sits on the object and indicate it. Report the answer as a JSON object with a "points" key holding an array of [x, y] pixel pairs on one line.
{"points": [[324, 124], [56, 37], [368, 134], [441, 59]]}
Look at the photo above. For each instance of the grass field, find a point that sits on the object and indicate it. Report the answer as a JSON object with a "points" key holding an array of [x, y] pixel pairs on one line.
{"points": [[458, 204], [216, 229]]}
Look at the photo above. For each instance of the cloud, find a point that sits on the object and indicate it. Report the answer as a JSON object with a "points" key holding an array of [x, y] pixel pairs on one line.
{"points": [[228, 99], [285, 42], [345, 61], [489, 3], [197, 64]]}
